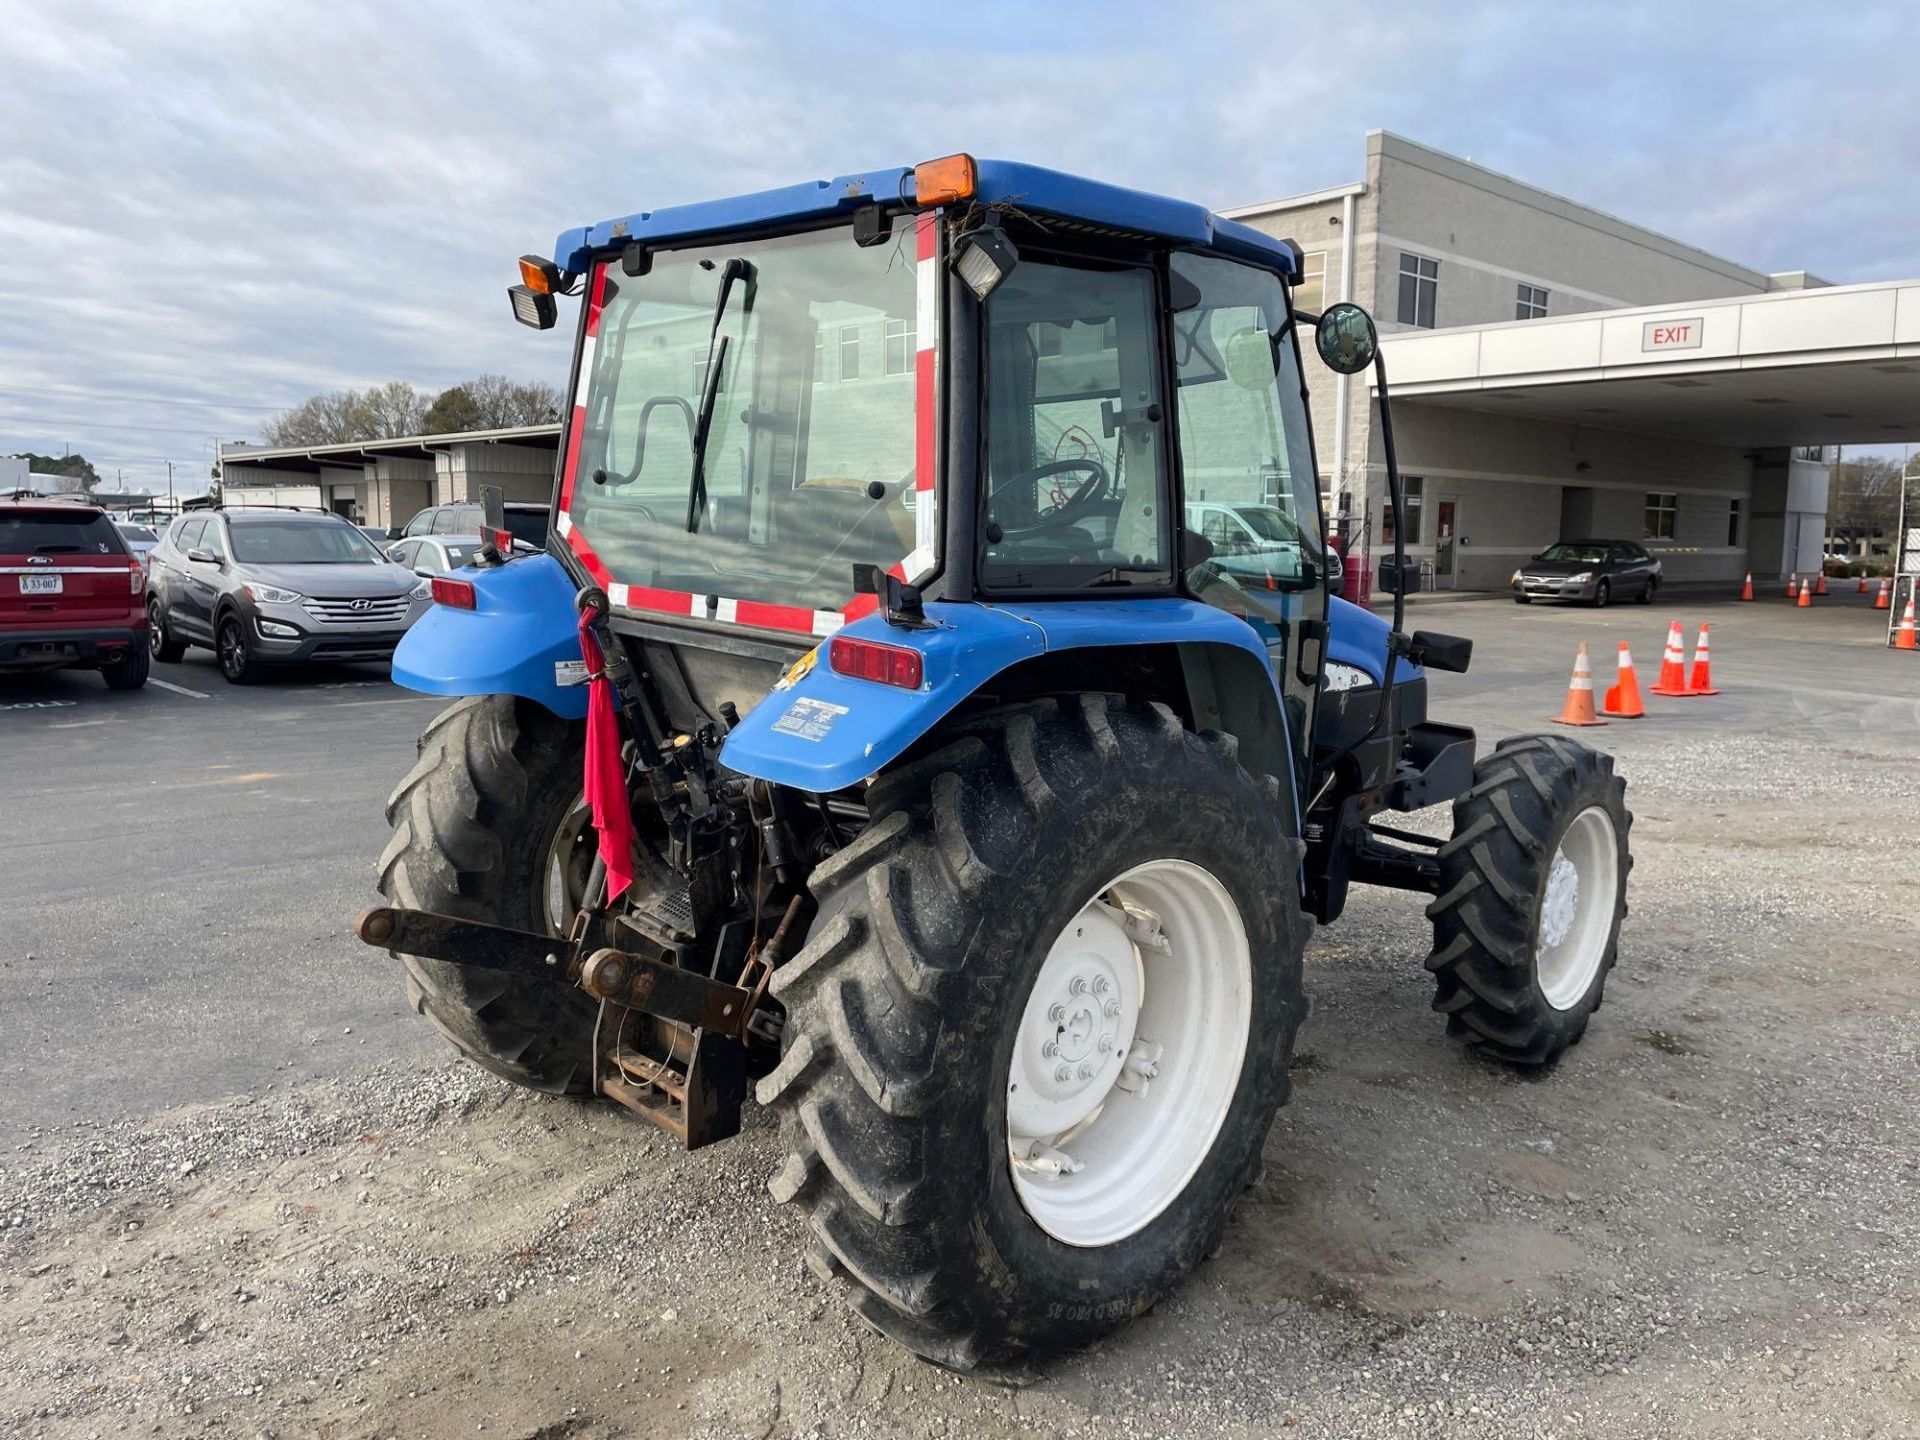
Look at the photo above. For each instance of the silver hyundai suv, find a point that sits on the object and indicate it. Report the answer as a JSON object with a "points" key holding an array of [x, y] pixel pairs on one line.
{"points": [[276, 587]]}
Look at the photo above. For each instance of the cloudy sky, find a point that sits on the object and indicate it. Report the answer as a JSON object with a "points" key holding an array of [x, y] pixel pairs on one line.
{"points": [[209, 211]]}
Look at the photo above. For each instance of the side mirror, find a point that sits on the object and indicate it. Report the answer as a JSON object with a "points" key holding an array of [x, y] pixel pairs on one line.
{"points": [[1336, 575], [1346, 338], [202, 557], [1398, 579], [396, 532], [1440, 652], [423, 572]]}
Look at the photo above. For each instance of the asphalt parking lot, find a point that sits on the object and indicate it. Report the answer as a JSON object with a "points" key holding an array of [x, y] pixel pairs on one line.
{"points": [[243, 1191]]}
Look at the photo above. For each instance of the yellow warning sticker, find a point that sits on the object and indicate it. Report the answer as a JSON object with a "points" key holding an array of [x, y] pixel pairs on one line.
{"points": [[799, 670]]}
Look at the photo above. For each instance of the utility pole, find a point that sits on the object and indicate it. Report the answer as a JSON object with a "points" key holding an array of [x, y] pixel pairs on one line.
{"points": [[169, 484]]}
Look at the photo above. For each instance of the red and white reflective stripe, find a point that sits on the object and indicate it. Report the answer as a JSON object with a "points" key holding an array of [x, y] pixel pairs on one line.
{"points": [[926, 413]]}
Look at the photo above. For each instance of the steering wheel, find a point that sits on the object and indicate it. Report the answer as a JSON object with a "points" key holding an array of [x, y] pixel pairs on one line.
{"points": [[1090, 491]]}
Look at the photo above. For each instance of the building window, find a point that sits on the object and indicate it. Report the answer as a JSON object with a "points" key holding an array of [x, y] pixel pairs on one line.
{"points": [[849, 352], [1419, 285], [1311, 293], [1662, 508], [1816, 453], [899, 346], [1530, 302], [1733, 522], [1415, 487]]}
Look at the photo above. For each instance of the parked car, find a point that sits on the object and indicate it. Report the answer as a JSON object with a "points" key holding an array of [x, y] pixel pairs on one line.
{"points": [[72, 595], [1595, 571], [431, 555], [140, 538], [277, 587], [1255, 543], [376, 533], [527, 521]]}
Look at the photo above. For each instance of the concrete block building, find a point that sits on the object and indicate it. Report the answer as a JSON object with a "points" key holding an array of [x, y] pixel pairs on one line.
{"points": [[1560, 373]]}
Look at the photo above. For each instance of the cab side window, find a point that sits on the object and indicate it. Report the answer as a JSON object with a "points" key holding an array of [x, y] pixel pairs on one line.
{"points": [[1243, 427], [443, 521], [419, 523], [213, 540], [1076, 466], [187, 536]]}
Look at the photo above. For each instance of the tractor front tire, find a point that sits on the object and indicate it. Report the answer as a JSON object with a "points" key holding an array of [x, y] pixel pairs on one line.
{"points": [[475, 824], [1533, 890], [921, 1001]]}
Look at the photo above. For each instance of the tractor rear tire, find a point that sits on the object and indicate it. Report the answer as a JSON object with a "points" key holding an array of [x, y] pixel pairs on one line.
{"points": [[920, 974], [1519, 959], [474, 826]]}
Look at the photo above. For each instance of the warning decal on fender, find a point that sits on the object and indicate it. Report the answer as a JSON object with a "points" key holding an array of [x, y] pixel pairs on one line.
{"points": [[809, 719]]}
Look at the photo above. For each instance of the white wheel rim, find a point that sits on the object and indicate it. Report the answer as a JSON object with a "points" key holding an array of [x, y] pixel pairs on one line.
{"points": [[1128, 1053], [1576, 909]]}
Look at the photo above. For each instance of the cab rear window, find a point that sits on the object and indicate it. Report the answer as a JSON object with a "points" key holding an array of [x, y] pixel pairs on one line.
{"points": [[41, 533], [529, 526]]}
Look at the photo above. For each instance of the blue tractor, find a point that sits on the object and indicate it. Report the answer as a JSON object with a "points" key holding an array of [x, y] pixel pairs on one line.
{"points": [[934, 711]]}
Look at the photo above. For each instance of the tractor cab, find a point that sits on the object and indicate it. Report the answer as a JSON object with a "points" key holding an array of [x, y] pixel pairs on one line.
{"points": [[937, 379], [932, 715]]}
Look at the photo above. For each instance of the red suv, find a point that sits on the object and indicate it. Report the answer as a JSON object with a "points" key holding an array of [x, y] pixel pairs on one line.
{"points": [[71, 593]]}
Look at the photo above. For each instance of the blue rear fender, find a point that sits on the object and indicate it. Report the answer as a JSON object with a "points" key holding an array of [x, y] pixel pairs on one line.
{"points": [[522, 626], [822, 731]]}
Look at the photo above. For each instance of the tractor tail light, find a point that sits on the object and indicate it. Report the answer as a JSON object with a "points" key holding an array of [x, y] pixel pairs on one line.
{"points": [[870, 660], [457, 593]]}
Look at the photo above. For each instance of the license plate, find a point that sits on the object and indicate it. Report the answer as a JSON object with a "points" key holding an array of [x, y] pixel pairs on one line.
{"points": [[41, 584]]}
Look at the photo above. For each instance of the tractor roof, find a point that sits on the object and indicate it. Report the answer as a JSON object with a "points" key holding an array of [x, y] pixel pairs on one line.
{"points": [[1026, 187]]}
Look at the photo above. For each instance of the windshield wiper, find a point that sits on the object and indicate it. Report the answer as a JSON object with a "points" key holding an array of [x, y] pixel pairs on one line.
{"points": [[734, 270]]}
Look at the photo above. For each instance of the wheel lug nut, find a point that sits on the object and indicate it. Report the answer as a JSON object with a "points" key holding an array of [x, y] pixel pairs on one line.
{"points": [[1110, 1009], [1102, 985], [1077, 986], [1085, 1072], [1056, 1013], [1106, 1044], [1050, 1049], [1063, 1073]]}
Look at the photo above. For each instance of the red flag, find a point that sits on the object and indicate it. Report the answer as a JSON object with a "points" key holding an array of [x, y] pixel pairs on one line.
{"points": [[606, 781]]}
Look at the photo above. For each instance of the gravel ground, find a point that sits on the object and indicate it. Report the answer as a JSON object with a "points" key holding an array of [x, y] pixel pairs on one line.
{"points": [[1705, 1222]]}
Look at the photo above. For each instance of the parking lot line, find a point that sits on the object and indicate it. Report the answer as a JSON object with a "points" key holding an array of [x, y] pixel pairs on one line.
{"points": [[177, 689]]}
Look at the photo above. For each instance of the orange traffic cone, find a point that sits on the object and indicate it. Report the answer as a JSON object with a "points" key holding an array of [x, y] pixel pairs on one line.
{"points": [[1746, 590], [1820, 585], [1884, 600], [1700, 677], [1863, 583], [1793, 585], [1903, 637], [1804, 592], [1579, 709], [1623, 696], [1673, 665]]}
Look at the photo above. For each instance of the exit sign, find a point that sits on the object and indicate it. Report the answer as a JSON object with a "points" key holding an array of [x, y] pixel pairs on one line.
{"points": [[1672, 334]]}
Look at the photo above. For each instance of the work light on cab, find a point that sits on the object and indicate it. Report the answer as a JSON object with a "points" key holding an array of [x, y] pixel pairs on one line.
{"points": [[986, 258], [532, 298]]}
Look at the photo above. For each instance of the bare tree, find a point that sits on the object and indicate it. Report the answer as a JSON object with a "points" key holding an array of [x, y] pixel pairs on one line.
{"points": [[380, 412], [492, 402]]}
